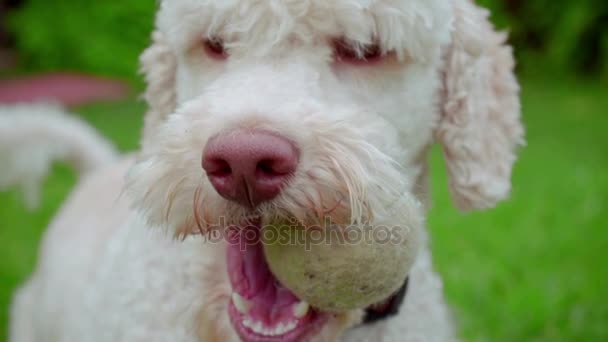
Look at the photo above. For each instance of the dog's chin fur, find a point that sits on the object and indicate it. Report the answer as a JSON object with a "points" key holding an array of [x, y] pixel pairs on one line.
{"points": [[362, 131]]}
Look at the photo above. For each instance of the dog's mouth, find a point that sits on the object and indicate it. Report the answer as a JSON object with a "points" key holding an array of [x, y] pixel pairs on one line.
{"points": [[261, 309]]}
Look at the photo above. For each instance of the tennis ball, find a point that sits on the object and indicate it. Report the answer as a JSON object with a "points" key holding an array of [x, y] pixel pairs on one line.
{"points": [[337, 269]]}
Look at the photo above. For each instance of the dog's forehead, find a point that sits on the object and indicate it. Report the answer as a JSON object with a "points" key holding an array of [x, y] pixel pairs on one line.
{"points": [[418, 27]]}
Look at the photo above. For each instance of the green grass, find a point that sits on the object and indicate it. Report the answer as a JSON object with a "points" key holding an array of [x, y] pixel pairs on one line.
{"points": [[534, 269], [531, 270]]}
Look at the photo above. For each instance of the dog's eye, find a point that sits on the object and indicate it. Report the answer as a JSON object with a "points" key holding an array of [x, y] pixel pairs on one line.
{"points": [[348, 53], [214, 47]]}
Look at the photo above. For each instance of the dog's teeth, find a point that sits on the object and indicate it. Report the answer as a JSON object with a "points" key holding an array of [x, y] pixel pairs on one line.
{"points": [[240, 303], [289, 327], [301, 309], [270, 332], [260, 328], [280, 329]]}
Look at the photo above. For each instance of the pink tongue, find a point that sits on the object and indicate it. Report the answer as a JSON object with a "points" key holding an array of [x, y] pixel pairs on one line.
{"points": [[251, 278]]}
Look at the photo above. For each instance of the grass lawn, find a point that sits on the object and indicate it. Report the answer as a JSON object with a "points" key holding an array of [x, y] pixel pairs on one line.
{"points": [[531, 270]]}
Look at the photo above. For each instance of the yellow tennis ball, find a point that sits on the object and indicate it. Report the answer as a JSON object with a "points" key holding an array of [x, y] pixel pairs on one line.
{"points": [[336, 269]]}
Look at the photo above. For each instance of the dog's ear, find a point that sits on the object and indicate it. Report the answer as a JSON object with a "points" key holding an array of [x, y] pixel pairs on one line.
{"points": [[480, 126], [158, 64]]}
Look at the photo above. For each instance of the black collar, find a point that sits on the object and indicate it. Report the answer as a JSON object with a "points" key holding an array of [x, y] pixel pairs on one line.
{"points": [[386, 309]]}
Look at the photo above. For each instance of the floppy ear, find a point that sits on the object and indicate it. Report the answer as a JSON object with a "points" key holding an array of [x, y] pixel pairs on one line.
{"points": [[480, 125], [158, 64]]}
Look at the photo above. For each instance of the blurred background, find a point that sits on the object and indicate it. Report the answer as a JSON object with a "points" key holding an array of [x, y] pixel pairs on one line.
{"points": [[533, 269]]}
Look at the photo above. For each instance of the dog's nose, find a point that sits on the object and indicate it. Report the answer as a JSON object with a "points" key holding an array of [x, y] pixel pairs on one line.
{"points": [[249, 167]]}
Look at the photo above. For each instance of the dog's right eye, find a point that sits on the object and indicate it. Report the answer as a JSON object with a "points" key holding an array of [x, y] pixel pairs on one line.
{"points": [[214, 48]]}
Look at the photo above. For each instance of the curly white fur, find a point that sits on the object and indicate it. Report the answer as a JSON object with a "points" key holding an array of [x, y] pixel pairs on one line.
{"points": [[480, 128], [363, 133]]}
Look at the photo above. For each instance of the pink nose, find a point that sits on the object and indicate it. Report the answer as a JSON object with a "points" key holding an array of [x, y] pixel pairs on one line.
{"points": [[249, 167]]}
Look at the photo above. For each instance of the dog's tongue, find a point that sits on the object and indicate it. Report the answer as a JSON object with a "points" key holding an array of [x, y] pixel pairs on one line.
{"points": [[268, 301]]}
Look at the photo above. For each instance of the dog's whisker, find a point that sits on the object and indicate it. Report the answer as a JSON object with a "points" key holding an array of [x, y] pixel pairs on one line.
{"points": [[320, 208], [171, 195], [331, 210], [206, 215], [196, 210]]}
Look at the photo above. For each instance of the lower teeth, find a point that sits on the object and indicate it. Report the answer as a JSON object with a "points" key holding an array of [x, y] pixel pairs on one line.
{"points": [[259, 328], [243, 306]]}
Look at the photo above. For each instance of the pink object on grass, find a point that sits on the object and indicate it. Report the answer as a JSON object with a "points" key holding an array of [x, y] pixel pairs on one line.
{"points": [[69, 89]]}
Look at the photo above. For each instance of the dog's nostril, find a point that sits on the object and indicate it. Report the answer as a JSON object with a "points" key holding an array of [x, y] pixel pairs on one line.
{"points": [[217, 168], [267, 167], [222, 168]]}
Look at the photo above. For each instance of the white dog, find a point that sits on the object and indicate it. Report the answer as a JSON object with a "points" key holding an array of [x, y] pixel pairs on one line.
{"points": [[266, 109]]}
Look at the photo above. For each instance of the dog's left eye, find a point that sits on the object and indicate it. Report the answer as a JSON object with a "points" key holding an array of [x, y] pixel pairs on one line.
{"points": [[214, 47], [346, 52]]}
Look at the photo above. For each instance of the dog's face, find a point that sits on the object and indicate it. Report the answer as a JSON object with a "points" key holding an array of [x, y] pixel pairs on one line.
{"points": [[302, 110]]}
